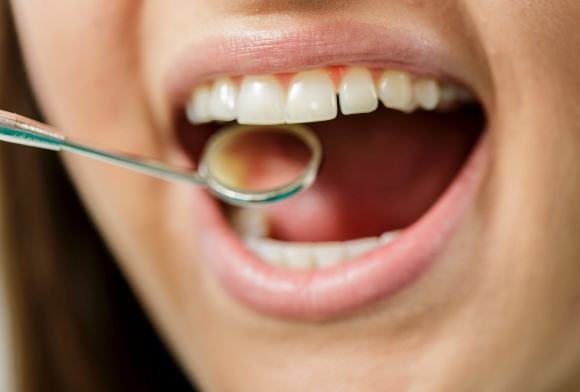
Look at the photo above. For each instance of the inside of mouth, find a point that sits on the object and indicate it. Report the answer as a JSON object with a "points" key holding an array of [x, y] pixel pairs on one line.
{"points": [[382, 171]]}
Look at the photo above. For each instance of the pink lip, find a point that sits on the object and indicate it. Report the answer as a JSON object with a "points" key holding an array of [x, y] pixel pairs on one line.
{"points": [[324, 293], [286, 49]]}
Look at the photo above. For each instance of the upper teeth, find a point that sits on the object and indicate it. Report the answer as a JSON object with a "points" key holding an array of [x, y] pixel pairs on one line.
{"points": [[261, 101], [311, 96], [357, 92]]}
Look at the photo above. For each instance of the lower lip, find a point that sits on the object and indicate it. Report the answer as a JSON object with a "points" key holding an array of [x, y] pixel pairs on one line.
{"points": [[353, 284]]}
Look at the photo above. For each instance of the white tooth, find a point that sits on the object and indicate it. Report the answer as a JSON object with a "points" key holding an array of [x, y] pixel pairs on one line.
{"points": [[328, 255], [268, 251], [197, 109], [357, 248], [261, 101], [388, 237], [304, 256], [427, 93], [223, 100], [357, 92], [396, 91], [298, 256], [311, 97], [250, 222]]}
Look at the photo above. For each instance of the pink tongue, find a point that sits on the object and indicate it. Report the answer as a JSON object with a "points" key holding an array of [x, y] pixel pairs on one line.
{"points": [[381, 173]]}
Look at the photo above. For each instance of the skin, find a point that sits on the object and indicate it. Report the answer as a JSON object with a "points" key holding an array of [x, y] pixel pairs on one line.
{"points": [[506, 319]]}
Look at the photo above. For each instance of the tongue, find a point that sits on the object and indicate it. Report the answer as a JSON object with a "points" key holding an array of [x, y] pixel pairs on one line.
{"points": [[381, 173]]}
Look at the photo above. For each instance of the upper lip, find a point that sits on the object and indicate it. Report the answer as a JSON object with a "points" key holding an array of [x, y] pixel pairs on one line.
{"points": [[242, 52]]}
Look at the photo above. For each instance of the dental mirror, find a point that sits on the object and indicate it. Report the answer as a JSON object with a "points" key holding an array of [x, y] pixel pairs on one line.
{"points": [[241, 165], [260, 164]]}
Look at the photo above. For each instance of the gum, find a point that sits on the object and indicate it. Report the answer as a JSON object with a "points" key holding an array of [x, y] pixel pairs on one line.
{"points": [[336, 73]]}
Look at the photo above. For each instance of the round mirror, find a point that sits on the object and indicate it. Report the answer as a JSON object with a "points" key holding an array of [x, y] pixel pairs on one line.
{"points": [[259, 164]]}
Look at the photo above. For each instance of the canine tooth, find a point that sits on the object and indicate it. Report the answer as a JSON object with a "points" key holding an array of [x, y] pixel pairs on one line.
{"points": [[427, 93], [311, 97], [223, 100], [261, 101], [396, 90], [357, 248], [357, 92], [197, 109], [250, 222], [328, 255], [297, 256]]}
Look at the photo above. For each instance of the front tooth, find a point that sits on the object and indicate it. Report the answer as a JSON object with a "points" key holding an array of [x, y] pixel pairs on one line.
{"points": [[297, 256], [261, 101], [357, 248], [197, 109], [427, 93], [223, 100], [328, 255], [396, 91], [311, 97], [268, 251], [357, 92]]}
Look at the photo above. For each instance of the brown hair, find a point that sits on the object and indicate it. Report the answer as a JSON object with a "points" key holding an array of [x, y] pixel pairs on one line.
{"points": [[76, 325]]}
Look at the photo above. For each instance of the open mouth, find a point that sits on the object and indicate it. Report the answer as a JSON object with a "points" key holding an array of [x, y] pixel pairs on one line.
{"points": [[400, 148]]}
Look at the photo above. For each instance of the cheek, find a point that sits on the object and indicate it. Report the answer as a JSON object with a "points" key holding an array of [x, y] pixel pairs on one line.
{"points": [[82, 59], [534, 52]]}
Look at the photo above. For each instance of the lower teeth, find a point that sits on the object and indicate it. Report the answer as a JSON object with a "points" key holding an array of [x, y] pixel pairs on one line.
{"points": [[253, 226], [314, 255]]}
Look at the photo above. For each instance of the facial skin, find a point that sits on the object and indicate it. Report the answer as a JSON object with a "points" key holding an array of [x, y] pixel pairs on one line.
{"points": [[506, 319]]}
